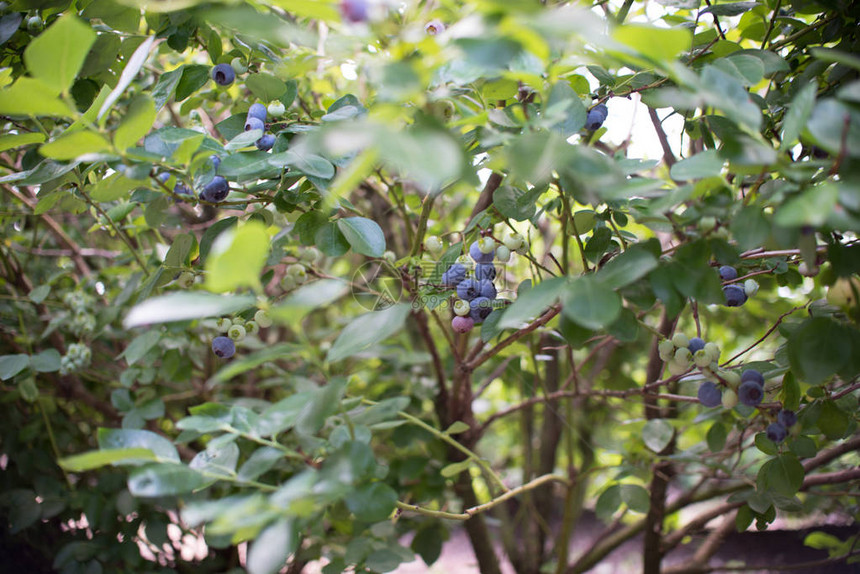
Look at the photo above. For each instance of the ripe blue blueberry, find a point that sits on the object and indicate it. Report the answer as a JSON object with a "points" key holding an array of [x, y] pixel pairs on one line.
{"points": [[750, 393], [454, 275], [354, 10], [786, 418], [487, 288], [735, 295], [696, 344], [481, 308], [215, 160], [776, 432], [709, 394], [479, 256], [223, 74], [265, 143], [223, 347], [752, 375], [216, 190], [163, 177], [468, 289], [181, 189], [485, 271], [254, 124], [596, 116], [728, 273], [258, 111]]}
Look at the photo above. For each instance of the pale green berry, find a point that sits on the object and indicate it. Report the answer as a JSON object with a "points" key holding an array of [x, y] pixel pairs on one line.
{"points": [[666, 349], [683, 356], [288, 283], [298, 272], [730, 399], [276, 108], [750, 287], [252, 328], [185, 280], [681, 340], [486, 244], [34, 23], [434, 245], [514, 241], [676, 368], [732, 378], [238, 65], [462, 308], [263, 319], [236, 332], [713, 351], [702, 358], [310, 255], [707, 224], [503, 253], [224, 324]]}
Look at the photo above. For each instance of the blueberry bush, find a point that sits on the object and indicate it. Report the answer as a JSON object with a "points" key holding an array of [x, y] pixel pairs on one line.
{"points": [[319, 281]]}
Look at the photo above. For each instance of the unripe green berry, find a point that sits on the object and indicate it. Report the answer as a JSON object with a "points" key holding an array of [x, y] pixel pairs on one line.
{"points": [[666, 349], [389, 256], [676, 368], [35, 23], [238, 65], [263, 319], [713, 351], [514, 241], [462, 308], [486, 244], [730, 399], [310, 255], [707, 224], [732, 378], [185, 280], [750, 287], [298, 272], [236, 332], [224, 324], [434, 245], [288, 283], [681, 340], [683, 356], [276, 108], [503, 253], [252, 328], [702, 358]]}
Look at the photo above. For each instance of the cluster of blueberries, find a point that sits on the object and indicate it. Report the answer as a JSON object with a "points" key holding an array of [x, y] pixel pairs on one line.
{"points": [[236, 329], [736, 295], [215, 191], [256, 120]]}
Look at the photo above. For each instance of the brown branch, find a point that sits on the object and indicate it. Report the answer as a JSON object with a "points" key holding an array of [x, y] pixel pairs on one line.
{"points": [[513, 338], [668, 156], [485, 200]]}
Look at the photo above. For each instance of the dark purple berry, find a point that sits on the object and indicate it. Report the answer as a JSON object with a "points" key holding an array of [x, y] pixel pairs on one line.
{"points": [[181, 189], [265, 143], [752, 375], [696, 344], [454, 275], [468, 289], [776, 432], [223, 347], [709, 394], [750, 393], [485, 271], [786, 418], [481, 308], [257, 111], [223, 74], [728, 273], [596, 116], [215, 160], [216, 190], [354, 10], [487, 289], [735, 295]]}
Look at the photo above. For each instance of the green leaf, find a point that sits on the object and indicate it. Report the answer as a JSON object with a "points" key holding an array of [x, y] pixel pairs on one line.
{"points": [[237, 257], [782, 475], [47, 361], [140, 346], [727, 93], [303, 161], [194, 77], [563, 102], [73, 145], [167, 479], [265, 86], [811, 207], [588, 302], [832, 421], [269, 552], [165, 87], [136, 122], [765, 445], [716, 437], [364, 235], [261, 461], [100, 458], [40, 293], [532, 303], [515, 203], [20, 140], [309, 297], [831, 119], [323, 403], [11, 365], [372, 502], [457, 427], [798, 114], [428, 541], [704, 164], [220, 459], [315, 10], [635, 497], [608, 502], [132, 438], [132, 67], [657, 434], [367, 330], [57, 54], [112, 187], [626, 268], [455, 468], [29, 97], [660, 45], [818, 349], [184, 306]]}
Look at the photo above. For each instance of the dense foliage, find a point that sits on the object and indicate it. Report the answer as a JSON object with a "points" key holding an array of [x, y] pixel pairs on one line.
{"points": [[239, 240]]}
